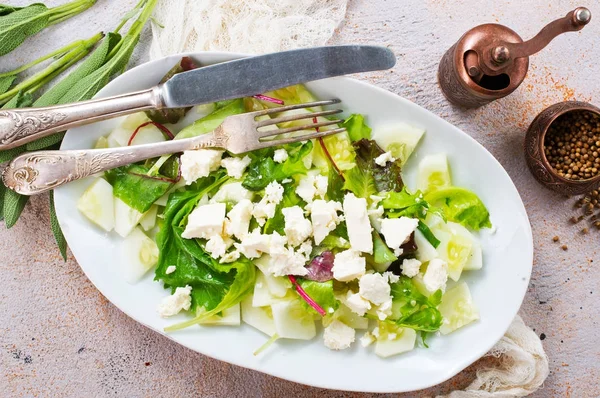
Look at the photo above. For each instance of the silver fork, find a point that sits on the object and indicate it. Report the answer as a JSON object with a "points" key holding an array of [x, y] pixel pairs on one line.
{"points": [[41, 171]]}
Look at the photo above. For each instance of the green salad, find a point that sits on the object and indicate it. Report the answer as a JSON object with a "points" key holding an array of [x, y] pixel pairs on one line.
{"points": [[282, 239]]}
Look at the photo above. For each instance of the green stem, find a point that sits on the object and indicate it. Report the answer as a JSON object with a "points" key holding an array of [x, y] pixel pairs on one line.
{"points": [[66, 11], [60, 51], [266, 345], [130, 15], [77, 53]]}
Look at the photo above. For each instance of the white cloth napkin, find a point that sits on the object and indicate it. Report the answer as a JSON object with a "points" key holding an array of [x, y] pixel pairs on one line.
{"points": [[251, 26]]}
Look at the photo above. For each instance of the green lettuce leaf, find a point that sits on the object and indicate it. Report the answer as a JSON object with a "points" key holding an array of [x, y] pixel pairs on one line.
{"points": [[357, 128], [462, 206], [277, 222], [335, 186], [321, 293], [412, 309], [211, 121], [387, 178], [132, 185]]}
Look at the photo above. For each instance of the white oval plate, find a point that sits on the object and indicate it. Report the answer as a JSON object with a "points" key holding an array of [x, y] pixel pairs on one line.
{"points": [[498, 289]]}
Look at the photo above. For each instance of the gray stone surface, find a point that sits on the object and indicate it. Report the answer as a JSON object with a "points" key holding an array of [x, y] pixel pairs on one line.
{"points": [[60, 337]]}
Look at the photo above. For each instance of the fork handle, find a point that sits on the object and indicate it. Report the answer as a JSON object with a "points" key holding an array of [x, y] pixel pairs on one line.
{"points": [[37, 172], [20, 126]]}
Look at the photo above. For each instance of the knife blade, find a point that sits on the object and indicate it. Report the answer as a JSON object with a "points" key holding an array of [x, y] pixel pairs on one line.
{"points": [[255, 75]]}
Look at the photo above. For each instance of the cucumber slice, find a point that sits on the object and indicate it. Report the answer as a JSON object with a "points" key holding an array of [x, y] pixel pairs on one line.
{"points": [[140, 254], [292, 321], [475, 261], [126, 218], [229, 317], [278, 285], [232, 192], [260, 318], [433, 173], [101, 143], [455, 248], [394, 341], [97, 204], [457, 308], [147, 135], [148, 220], [425, 251], [262, 295], [400, 139], [346, 316], [121, 135]]}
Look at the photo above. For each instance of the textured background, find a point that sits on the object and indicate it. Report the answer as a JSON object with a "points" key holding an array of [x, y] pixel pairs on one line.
{"points": [[60, 337]]}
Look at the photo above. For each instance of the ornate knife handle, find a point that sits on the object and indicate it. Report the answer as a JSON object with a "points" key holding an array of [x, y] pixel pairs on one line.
{"points": [[41, 171], [20, 126]]}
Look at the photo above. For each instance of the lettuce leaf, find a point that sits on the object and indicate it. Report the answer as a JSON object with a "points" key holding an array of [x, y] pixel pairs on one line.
{"points": [[357, 128], [211, 121], [412, 309], [321, 293], [462, 206], [387, 178], [277, 222]]}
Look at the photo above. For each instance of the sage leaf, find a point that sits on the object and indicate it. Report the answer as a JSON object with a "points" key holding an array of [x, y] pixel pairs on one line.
{"points": [[55, 226], [13, 207]]}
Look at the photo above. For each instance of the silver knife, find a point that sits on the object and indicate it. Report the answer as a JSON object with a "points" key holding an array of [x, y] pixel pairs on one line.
{"points": [[234, 79]]}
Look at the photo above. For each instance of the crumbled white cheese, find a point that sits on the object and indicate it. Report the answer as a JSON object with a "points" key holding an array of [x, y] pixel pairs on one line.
{"points": [[392, 278], [338, 336], [199, 163], [306, 249], [375, 216], [312, 185], [397, 231], [367, 339], [205, 221], [284, 260], [348, 265], [286, 180], [274, 192], [239, 219], [382, 159], [436, 275], [297, 228], [254, 244], [385, 309], [236, 166], [263, 211], [170, 269], [173, 304], [411, 267], [280, 155], [357, 221], [230, 257], [356, 303], [216, 246], [376, 332], [324, 218], [375, 288]]}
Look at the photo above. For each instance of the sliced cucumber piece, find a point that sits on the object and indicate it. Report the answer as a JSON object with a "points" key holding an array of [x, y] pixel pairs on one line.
{"points": [[394, 341], [457, 308], [126, 218], [101, 143], [121, 135], [455, 248], [232, 192], [97, 204], [260, 318], [292, 321], [229, 317], [433, 173], [346, 316], [149, 134], [140, 254], [262, 295], [278, 285], [148, 220], [400, 139], [425, 251], [475, 261]]}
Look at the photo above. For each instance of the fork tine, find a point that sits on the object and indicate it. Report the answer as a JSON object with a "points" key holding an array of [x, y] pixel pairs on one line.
{"points": [[303, 137], [296, 106], [291, 118], [310, 126]]}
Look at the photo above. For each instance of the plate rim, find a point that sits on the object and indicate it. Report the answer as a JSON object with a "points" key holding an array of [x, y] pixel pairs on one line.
{"points": [[451, 371]]}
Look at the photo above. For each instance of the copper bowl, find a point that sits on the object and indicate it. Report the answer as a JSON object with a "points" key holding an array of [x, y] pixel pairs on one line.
{"points": [[536, 158]]}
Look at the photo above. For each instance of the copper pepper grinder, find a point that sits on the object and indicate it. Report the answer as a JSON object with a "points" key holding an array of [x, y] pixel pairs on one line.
{"points": [[490, 61]]}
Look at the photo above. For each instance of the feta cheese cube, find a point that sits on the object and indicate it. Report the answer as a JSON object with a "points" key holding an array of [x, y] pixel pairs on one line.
{"points": [[348, 265], [263, 211], [239, 219], [297, 228], [397, 231], [274, 193], [436, 276], [392, 278], [236, 166], [216, 246], [199, 163], [170, 269], [357, 221], [338, 336], [356, 303], [324, 218], [205, 221], [367, 339], [173, 304], [280, 155], [385, 309], [254, 244], [411, 267], [375, 288], [382, 159], [312, 185], [321, 185], [284, 260], [306, 249]]}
